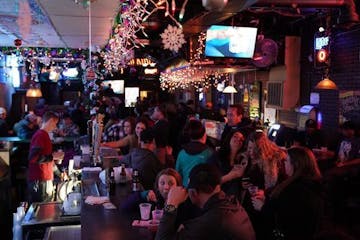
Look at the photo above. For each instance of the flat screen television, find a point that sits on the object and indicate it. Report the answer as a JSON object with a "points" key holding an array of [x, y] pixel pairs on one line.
{"points": [[228, 41], [131, 95], [116, 85]]}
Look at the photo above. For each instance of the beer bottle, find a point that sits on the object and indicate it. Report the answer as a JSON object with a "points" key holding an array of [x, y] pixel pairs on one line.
{"points": [[122, 175], [111, 181], [136, 185]]}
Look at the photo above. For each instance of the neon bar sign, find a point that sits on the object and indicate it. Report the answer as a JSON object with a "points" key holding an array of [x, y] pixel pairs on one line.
{"points": [[321, 42]]}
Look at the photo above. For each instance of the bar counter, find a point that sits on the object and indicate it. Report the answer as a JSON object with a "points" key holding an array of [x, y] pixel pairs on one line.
{"points": [[100, 223]]}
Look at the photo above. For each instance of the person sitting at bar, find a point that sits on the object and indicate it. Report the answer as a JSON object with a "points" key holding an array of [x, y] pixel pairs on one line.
{"points": [[349, 149], [294, 208], [311, 138], [67, 128], [4, 127], [235, 120], [113, 130], [27, 127], [144, 159], [193, 153], [130, 140], [220, 219], [41, 161]]}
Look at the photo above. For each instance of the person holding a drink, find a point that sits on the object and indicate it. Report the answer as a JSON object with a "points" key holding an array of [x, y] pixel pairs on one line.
{"points": [[295, 206]]}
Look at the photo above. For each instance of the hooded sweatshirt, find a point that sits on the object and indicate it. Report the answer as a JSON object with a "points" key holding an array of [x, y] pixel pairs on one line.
{"points": [[193, 154]]}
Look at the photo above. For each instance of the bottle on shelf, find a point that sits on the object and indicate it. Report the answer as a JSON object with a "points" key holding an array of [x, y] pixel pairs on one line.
{"points": [[122, 175], [136, 184]]}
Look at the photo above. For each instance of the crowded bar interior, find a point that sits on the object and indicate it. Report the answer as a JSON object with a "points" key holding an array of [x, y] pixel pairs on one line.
{"points": [[180, 119]]}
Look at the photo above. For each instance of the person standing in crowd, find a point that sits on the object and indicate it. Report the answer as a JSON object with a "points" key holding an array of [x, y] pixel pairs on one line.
{"points": [[144, 159], [265, 170], [232, 162], [193, 153], [67, 128], [311, 138], [220, 219], [161, 131], [27, 127], [235, 120], [294, 208], [4, 127], [41, 161]]}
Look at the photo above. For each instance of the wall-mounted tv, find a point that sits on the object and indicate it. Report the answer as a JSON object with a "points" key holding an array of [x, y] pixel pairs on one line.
{"points": [[116, 85], [131, 95], [228, 41]]}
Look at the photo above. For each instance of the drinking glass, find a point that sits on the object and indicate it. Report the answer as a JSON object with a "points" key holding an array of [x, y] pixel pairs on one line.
{"points": [[145, 209], [157, 215]]}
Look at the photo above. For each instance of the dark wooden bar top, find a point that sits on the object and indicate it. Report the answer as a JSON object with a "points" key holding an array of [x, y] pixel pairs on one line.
{"points": [[100, 223]]}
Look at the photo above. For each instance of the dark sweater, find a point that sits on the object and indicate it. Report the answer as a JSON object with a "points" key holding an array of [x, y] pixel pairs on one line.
{"points": [[146, 162], [221, 219], [297, 211]]}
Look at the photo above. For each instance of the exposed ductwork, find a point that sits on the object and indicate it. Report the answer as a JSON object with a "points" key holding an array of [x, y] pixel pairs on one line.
{"points": [[302, 3], [347, 11]]}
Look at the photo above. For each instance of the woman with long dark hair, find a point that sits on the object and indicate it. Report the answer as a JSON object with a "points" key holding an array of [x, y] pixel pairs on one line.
{"points": [[294, 208]]}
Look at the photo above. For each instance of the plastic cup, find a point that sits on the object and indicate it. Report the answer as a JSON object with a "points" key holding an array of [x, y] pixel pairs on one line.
{"points": [[323, 149], [77, 160], [145, 209], [157, 215]]}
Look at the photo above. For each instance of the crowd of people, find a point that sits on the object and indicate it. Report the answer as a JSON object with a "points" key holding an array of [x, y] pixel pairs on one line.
{"points": [[247, 187]]}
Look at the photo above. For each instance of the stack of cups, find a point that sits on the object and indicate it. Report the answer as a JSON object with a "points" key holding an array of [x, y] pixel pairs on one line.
{"points": [[17, 218]]}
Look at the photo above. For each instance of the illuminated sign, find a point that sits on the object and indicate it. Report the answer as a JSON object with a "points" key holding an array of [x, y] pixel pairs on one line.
{"points": [[321, 50], [141, 62], [321, 42], [150, 71]]}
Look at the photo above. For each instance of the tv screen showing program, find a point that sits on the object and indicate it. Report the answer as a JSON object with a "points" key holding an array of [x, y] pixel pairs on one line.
{"points": [[116, 85], [228, 41]]}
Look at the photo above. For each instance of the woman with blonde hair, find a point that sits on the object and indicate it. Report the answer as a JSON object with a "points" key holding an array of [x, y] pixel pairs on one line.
{"points": [[264, 171], [266, 161], [294, 208]]}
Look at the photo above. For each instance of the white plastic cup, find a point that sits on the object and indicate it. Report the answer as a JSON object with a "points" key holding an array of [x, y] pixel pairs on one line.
{"points": [[77, 160], [157, 215], [145, 209], [71, 166]]}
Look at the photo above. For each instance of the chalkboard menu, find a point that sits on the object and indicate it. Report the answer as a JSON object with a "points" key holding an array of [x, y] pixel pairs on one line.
{"points": [[349, 106]]}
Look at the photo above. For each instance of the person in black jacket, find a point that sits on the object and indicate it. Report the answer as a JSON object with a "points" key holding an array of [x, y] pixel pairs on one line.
{"points": [[236, 121], [220, 219], [294, 208]]}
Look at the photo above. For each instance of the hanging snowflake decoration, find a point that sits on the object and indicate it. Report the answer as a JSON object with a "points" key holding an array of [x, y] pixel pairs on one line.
{"points": [[172, 38]]}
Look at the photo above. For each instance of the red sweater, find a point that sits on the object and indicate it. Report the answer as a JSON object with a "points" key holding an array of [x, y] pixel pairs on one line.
{"points": [[42, 171]]}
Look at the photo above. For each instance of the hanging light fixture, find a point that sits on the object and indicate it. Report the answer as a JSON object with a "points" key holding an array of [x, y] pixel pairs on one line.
{"points": [[33, 92], [326, 83], [230, 88]]}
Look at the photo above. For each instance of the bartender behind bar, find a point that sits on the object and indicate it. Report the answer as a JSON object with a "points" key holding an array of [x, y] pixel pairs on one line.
{"points": [[41, 161]]}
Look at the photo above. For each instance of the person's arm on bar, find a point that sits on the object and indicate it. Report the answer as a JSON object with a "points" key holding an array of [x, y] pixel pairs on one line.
{"points": [[117, 144]]}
